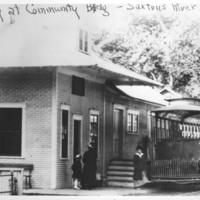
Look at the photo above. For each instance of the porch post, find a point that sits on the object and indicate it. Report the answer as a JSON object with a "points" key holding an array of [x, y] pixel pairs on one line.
{"points": [[54, 130]]}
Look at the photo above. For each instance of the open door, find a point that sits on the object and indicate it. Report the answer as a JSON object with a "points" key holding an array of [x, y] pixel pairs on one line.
{"points": [[77, 136]]}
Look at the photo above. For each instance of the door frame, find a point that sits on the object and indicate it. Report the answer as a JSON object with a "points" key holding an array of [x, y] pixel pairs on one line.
{"points": [[80, 118], [67, 108], [121, 108]]}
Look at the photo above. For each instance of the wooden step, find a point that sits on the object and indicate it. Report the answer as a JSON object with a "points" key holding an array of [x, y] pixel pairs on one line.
{"points": [[120, 168], [120, 173], [120, 178], [122, 163], [120, 184]]}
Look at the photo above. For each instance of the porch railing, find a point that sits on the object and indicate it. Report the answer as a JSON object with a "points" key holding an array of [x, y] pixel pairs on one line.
{"points": [[7, 184], [175, 169], [168, 129]]}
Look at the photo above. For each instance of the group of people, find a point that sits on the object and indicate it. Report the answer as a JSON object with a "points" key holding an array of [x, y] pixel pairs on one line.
{"points": [[85, 178]]}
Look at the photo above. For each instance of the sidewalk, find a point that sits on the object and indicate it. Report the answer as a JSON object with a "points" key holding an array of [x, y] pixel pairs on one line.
{"points": [[154, 189], [101, 191]]}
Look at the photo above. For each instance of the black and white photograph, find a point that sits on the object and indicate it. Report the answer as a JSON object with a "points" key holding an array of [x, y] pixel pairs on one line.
{"points": [[100, 99]]}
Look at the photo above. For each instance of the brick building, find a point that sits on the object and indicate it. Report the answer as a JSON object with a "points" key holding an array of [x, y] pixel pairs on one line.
{"points": [[55, 93]]}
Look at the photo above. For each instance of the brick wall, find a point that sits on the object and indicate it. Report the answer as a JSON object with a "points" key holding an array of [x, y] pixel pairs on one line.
{"points": [[34, 87], [93, 99]]}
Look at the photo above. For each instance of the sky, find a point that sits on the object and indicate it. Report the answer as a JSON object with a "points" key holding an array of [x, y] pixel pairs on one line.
{"points": [[28, 18], [105, 16]]}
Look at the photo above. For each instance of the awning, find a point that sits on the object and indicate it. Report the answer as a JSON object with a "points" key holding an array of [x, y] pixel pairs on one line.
{"points": [[145, 93]]}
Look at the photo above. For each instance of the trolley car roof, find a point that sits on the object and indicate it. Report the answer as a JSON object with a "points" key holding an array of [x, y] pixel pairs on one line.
{"points": [[182, 111]]}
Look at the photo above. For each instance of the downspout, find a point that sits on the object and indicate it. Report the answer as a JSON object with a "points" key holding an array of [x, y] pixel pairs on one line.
{"points": [[104, 132]]}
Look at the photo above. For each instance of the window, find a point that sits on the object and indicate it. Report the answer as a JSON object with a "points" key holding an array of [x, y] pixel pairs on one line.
{"points": [[78, 86], [10, 131], [133, 122], [64, 133], [83, 41], [94, 129], [93, 125], [86, 42]]}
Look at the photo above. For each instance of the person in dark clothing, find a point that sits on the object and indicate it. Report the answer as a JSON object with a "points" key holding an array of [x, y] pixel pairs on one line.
{"points": [[139, 176], [77, 171], [89, 168]]}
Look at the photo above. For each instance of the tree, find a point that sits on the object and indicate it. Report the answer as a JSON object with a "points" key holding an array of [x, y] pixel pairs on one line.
{"points": [[165, 49]]}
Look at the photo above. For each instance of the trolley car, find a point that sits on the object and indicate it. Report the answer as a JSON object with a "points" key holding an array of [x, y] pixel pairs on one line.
{"points": [[175, 142]]}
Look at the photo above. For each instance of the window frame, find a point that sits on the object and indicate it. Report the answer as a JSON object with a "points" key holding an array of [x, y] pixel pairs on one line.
{"points": [[66, 108], [23, 107], [82, 41], [97, 113], [133, 112]]}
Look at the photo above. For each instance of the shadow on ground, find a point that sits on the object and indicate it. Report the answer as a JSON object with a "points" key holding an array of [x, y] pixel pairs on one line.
{"points": [[172, 187]]}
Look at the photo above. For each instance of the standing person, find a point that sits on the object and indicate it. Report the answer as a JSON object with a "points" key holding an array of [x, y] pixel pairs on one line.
{"points": [[77, 172], [89, 168], [139, 176]]}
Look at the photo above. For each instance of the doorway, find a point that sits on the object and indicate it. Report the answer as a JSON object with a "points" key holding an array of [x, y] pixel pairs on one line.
{"points": [[77, 126], [118, 133]]}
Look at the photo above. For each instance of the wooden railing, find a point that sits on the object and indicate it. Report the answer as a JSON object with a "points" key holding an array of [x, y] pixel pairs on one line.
{"points": [[27, 170], [7, 184], [174, 169]]}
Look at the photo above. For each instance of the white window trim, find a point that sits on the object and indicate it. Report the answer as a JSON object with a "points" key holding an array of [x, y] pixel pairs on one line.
{"points": [[96, 112], [89, 47], [118, 106], [23, 107], [77, 117], [135, 112], [64, 107]]}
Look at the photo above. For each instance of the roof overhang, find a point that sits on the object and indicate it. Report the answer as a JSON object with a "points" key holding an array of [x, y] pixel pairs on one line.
{"points": [[117, 74]]}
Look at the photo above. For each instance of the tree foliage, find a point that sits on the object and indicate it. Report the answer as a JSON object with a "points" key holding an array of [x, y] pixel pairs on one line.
{"points": [[166, 49]]}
